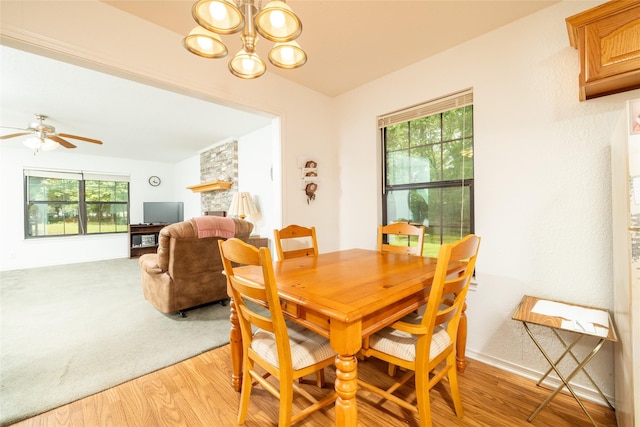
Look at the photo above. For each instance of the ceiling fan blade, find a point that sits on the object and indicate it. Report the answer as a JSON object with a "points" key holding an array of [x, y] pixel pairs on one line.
{"points": [[13, 135], [13, 127], [64, 143], [82, 138]]}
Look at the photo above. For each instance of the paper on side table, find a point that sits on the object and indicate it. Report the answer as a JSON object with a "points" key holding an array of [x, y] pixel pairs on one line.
{"points": [[578, 318], [587, 327]]}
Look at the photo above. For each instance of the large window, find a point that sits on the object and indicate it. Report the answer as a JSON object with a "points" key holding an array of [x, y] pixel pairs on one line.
{"points": [[62, 203], [428, 168]]}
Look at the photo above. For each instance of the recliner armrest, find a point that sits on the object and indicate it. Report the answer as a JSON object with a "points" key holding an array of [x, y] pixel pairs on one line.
{"points": [[149, 264]]}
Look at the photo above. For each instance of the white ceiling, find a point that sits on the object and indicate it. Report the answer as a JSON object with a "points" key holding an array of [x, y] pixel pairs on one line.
{"points": [[131, 119], [349, 43]]}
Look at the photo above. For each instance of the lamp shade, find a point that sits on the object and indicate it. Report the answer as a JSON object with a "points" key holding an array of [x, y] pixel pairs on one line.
{"points": [[287, 55], [45, 144], [242, 205], [204, 43], [247, 65], [33, 142], [219, 16], [277, 22]]}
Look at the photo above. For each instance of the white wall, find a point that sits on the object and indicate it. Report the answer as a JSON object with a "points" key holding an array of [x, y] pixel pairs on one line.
{"points": [[188, 174], [542, 176], [16, 252], [256, 161]]}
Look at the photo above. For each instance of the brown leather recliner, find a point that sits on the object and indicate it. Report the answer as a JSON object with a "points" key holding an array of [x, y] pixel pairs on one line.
{"points": [[187, 270]]}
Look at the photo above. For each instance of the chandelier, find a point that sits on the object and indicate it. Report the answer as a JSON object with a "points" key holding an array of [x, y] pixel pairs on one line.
{"points": [[275, 22]]}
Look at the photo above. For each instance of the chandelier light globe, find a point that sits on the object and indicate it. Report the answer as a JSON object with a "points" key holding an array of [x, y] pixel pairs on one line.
{"points": [[219, 16], [276, 19], [277, 22], [205, 43], [218, 11], [287, 55], [247, 65]]}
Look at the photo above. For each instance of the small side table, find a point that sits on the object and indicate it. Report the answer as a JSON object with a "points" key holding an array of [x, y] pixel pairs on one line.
{"points": [[560, 316]]}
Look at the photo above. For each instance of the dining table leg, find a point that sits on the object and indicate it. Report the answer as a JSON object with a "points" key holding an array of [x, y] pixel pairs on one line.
{"points": [[461, 341], [346, 387], [346, 340], [235, 341]]}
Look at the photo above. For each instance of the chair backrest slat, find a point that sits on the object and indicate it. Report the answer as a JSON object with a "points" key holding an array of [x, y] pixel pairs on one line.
{"points": [[448, 293], [401, 229], [245, 290], [299, 234]]}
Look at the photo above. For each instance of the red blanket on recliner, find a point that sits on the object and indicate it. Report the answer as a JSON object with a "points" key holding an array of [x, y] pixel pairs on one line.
{"points": [[215, 226]]}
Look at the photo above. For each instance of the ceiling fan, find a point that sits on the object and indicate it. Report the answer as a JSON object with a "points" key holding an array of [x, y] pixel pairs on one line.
{"points": [[45, 136]]}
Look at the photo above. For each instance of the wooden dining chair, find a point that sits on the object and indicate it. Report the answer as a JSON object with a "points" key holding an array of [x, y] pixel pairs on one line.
{"points": [[302, 236], [386, 234], [287, 353], [425, 346]]}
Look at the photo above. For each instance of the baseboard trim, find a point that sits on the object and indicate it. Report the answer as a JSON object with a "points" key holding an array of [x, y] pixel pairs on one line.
{"points": [[583, 392]]}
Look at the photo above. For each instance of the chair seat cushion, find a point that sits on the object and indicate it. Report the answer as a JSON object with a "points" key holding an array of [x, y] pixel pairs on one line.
{"points": [[403, 345], [307, 347]]}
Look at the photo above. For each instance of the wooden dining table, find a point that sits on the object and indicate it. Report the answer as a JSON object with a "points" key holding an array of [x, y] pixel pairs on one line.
{"points": [[344, 296]]}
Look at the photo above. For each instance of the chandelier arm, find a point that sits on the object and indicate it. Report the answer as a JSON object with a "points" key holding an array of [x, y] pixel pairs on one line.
{"points": [[249, 35]]}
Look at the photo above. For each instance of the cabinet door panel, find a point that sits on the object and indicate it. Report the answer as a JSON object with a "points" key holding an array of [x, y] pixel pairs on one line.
{"points": [[613, 46], [608, 40]]}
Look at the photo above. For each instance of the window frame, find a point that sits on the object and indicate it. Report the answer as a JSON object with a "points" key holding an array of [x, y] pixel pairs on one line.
{"points": [[83, 223], [438, 106]]}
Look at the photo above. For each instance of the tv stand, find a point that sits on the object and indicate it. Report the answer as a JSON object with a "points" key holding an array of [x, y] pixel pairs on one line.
{"points": [[143, 238]]}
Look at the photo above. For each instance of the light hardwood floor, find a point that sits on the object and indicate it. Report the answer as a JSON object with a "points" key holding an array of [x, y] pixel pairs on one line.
{"points": [[197, 392]]}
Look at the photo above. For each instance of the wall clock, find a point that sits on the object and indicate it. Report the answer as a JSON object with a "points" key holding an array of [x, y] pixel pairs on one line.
{"points": [[154, 180]]}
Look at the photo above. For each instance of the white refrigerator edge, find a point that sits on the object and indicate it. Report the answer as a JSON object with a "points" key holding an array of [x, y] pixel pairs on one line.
{"points": [[625, 195]]}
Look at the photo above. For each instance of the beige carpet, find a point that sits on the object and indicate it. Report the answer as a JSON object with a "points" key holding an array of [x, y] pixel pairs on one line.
{"points": [[70, 331]]}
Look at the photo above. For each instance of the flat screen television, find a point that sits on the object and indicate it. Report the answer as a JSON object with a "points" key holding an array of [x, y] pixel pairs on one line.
{"points": [[162, 212]]}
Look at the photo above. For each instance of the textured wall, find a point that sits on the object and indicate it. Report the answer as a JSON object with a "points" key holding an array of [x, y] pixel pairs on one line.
{"points": [[542, 178], [219, 164]]}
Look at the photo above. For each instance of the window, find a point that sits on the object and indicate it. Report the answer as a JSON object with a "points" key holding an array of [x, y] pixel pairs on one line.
{"points": [[64, 203], [428, 168]]}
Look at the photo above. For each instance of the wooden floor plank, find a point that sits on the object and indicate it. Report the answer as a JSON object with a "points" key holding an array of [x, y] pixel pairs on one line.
{"points": [[197, 392]]}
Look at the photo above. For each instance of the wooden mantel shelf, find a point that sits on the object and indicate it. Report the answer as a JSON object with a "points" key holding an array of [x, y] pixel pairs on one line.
{"points": [[210, 186]]}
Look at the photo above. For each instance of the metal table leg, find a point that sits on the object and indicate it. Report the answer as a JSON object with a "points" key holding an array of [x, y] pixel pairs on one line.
{"points": [[573, 356], [565, 381]]}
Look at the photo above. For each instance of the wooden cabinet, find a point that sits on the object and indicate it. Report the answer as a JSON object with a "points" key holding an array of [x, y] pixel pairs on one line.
{"points": [[608, 40], [143, 238]]}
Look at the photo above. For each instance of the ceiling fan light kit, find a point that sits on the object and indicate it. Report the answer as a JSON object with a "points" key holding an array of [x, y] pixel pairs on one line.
{"points": [[276, 22], [44, 136], [36, 144]]}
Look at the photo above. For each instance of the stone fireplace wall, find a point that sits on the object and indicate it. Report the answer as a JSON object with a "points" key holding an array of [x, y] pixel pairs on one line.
{"points": [[219, 164]]}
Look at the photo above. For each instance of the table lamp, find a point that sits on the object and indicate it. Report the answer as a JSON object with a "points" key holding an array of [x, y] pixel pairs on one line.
{"points": [[242, 205]]}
